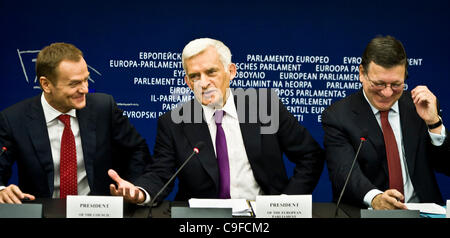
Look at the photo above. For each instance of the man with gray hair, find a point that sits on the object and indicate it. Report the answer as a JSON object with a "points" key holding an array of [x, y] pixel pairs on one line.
{"points": [[239, 159]]}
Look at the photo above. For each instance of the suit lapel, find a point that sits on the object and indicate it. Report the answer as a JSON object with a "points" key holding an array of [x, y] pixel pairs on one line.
{"points": [[252, 141], [365, 120], [199, 131], [250, 134], [410, 137], [196, 132], [37, 128], [87, 122]]}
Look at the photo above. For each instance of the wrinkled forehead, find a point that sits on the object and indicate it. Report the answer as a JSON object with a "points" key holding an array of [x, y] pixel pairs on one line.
{"points": [[207, 59]]}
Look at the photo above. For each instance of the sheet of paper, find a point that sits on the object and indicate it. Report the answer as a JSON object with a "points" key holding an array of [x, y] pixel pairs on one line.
{"points": [[239, 206], [448, 209], [431, 208]]}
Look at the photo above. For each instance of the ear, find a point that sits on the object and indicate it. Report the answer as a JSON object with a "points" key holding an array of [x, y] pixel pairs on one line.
{"points": [[232, 70], [361, 73], [45, 84]]}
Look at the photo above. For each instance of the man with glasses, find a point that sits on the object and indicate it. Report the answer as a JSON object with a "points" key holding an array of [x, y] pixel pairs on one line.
{"points": [[406, 140]]}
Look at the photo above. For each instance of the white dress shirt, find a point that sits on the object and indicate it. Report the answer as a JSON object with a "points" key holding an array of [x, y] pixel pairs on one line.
{"points": [[394, 121], [55, 130], [242, 180]]}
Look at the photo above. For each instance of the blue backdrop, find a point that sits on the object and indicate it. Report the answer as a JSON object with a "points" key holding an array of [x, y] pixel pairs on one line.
{"points": [[307, 50]]}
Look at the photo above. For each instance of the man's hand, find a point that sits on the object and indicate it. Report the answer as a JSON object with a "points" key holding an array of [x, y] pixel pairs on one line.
{"points": [[426, 106], [126, 189], [389, 200], [12, 195]]}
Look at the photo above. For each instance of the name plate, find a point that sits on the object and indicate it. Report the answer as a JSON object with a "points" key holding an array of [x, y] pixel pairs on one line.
{"points": [[284, 206], [94, 207], [20, 210], [369, 213]]}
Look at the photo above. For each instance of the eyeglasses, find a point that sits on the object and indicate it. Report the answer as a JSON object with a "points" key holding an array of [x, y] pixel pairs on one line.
{"points": [[381, 86]]}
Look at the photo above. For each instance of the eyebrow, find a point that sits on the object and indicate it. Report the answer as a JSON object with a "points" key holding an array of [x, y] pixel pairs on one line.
{"points": [[76, 80], [382, 82], [208, 70], [193, 74], [211, 70], [377, 81]]}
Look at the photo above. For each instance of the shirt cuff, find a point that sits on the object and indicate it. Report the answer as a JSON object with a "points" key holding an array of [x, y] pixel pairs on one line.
{"points": [[370, 196], [2, 187], [438, 139], [147, 197]]}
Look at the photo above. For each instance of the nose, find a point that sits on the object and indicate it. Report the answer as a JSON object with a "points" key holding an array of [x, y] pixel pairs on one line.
{"points": [[204, 81], [84, 87], [387, 92]]}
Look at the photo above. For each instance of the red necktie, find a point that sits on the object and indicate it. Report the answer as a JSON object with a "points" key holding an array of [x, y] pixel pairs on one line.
{"points": [[68, 160], [393, 158]]}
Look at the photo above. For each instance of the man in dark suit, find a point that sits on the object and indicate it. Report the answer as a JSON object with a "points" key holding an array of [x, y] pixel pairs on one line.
{"points": [[406, 140], [245, 133], [65, 140]]}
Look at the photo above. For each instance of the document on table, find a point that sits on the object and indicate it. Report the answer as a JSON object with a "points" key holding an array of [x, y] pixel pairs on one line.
{"points": [[239, 207], [431, 208]]}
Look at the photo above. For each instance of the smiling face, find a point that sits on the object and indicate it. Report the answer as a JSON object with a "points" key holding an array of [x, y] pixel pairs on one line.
{"points": [[382, 86], [207, 77], [68, 90]]}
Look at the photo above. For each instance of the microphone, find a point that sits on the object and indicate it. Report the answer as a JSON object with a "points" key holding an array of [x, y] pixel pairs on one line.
{"points": [[4, 149], [362, 139], [195, 151]]}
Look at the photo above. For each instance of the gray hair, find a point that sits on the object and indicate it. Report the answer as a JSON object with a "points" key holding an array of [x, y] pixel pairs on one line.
{"points": [[197, 46]]}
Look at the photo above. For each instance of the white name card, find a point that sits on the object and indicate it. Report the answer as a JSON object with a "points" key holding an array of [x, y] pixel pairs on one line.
{"points": [[448, 209], [284, 206], [94, 207]]}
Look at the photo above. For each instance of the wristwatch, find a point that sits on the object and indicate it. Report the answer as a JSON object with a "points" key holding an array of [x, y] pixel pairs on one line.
{"points": [[435, 125]]}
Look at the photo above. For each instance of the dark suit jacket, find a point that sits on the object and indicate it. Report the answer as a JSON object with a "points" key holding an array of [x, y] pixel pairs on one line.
{"points": [[344, 123], [108, 141], [200, 177]]}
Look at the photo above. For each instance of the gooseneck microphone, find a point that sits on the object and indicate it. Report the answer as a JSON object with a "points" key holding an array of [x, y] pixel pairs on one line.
{"points": [[195, 151], [4, 149], [362, 139]]}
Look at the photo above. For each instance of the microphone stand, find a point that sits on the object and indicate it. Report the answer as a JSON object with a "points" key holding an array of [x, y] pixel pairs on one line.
{"points": [[196, 151], [348, 176], [4, 149]]}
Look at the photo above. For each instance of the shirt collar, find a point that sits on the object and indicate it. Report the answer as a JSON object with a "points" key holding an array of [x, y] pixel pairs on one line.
{"points": [[229, 108], [51, 113], [394, 107]]}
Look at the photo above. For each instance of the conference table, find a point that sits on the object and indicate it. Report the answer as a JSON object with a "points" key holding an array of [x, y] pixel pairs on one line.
{"points": [[322, 223], [56, 208]]}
